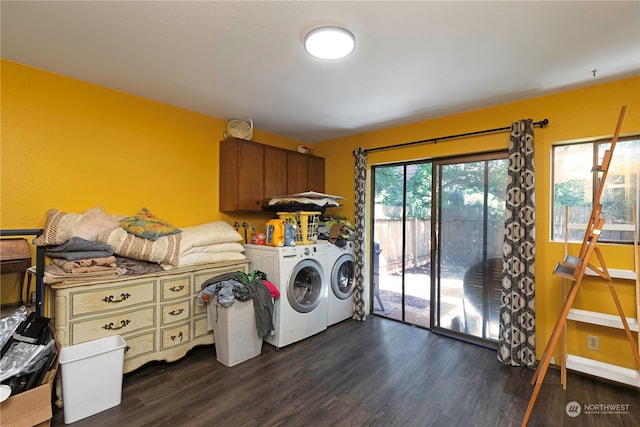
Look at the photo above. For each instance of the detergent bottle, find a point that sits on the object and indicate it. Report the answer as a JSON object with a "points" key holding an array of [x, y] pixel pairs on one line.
{"points": [[289, 235], [275, 232]]}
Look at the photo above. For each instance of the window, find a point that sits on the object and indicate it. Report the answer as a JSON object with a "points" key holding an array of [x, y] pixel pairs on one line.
{"points": [[574, 186]]}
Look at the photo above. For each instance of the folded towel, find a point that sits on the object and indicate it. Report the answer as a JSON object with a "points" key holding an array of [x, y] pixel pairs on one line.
{"points": [[86, 265], [54, 274]]}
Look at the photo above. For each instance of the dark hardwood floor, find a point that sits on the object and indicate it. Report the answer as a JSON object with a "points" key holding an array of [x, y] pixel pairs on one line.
{"points": [[376, 373]]}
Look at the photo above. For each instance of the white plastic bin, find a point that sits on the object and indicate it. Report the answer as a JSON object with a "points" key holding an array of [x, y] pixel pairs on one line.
{"points": [[91, 377], [234, 332]]}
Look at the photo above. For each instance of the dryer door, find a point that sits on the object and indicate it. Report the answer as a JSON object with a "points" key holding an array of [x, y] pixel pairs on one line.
{"points": [[306, 288], [343, 277]]}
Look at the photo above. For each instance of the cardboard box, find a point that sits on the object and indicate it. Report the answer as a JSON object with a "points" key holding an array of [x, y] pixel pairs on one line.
{"points": [[32, 407]]}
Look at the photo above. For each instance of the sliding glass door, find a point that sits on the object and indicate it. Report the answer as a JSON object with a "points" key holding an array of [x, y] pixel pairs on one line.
{"points": [[470, 218], [437, 243], [402, 242]]}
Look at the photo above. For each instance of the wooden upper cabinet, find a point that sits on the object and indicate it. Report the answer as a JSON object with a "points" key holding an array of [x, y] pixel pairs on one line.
{"points": [[251, 172], [315, 174], [275, 178], [296, 173], [250, 176], [241, 175], [228, 175]]}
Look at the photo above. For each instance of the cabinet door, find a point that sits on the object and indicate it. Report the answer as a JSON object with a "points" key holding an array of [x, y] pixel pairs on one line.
{"points": [[275, 176], [315, 174], [228, 177], [296, 173], [250, 175]]}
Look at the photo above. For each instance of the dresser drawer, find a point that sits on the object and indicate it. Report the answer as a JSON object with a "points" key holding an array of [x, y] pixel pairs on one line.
{"points": [[175, 287], [139, 345], [200, 328], [96, 301], [114, 324], [199, 310], [173, 337], [175, 312]]}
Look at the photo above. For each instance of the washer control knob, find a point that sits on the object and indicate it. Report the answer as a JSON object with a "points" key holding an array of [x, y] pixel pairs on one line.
{"points": [[307, 251]]}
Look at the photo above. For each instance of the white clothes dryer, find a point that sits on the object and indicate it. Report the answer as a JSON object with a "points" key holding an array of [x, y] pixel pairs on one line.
{"points": [[298, 273], [340, 267]]}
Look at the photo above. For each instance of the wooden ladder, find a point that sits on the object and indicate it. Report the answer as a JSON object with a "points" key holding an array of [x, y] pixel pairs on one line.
{"points": [[574, 268]]}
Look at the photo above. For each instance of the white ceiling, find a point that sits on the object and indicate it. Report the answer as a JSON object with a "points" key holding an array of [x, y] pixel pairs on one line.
{"points": [[414, 60]]}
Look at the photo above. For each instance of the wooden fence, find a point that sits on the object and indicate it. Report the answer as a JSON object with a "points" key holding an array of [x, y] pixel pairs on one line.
{"points": [[461, 233]]}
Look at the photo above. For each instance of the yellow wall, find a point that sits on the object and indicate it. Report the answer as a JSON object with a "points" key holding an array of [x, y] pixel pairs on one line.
{"points": [[72, 145], [585, 113]]}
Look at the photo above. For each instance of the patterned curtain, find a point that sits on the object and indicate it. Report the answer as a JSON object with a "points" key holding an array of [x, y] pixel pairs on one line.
{"points": [[516, 342], [359, 223]]}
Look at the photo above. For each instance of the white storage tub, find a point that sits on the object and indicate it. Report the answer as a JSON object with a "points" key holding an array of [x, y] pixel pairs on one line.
{"points": [[91, 377]]}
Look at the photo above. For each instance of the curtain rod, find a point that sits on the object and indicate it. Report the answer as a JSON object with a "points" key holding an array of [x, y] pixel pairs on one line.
{"points": [[541, 123]]}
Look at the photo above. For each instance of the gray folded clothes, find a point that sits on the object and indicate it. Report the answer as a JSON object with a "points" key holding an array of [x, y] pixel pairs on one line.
{"points": [[78, 248]]}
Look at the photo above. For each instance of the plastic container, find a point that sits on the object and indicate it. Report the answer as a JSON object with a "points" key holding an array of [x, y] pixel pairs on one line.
{"points": [[305, 225], [234, 332], [91, 377]]}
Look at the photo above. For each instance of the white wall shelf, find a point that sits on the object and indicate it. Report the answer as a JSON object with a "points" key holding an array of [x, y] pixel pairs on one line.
{"points": [[615, 273], [602, 319], [591, 366], [603, 370]]}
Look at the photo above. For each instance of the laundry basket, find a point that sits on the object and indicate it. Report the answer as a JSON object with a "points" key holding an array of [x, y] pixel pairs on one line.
{"points": [[242, 129], [305, 225]]}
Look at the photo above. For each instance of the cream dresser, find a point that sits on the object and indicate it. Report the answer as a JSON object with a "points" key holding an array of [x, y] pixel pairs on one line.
{"points": [[156, 314]]}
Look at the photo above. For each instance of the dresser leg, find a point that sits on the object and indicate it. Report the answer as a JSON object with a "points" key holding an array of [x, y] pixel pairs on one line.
{"points": [[58, 401]]}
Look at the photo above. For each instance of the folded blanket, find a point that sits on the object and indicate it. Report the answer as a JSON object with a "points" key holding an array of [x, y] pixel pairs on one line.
{"points": [[210, 233], [77, 248], [55, 275], [205, 258], [212, 249], [86, 265], [164, 250]]}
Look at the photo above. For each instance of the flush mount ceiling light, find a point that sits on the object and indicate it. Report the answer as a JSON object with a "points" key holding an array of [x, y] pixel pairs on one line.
{"points": [[329, 42]]}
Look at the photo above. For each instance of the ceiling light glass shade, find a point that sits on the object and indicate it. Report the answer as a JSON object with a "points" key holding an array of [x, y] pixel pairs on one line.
{"points": [[329, 42]]}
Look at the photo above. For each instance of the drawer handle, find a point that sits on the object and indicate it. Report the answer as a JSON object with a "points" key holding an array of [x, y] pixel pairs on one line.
{"points": [[176, 313], [109, 326], [173, 337], [110, 298], [127, 348], [176, 288]]}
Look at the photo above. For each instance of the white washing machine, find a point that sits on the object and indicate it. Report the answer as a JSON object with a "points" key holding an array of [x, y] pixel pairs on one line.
{"points": [[298, 273], [340, 267]]}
